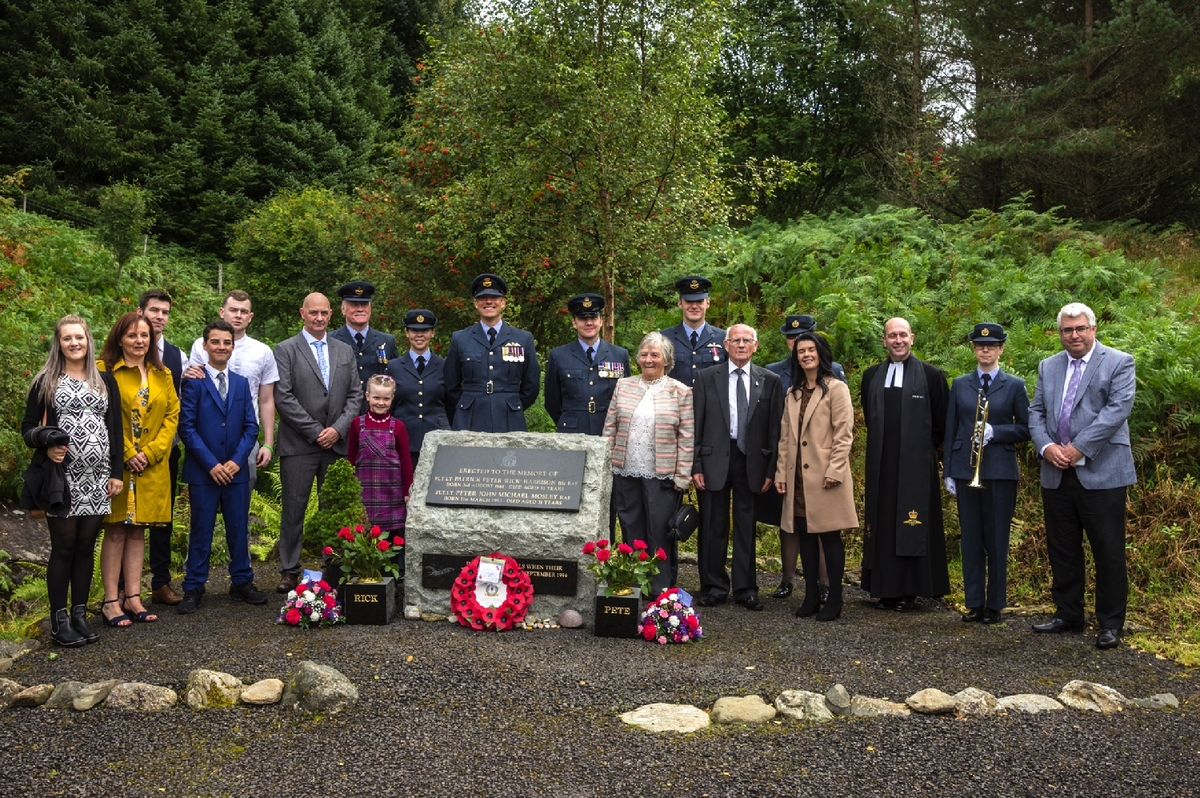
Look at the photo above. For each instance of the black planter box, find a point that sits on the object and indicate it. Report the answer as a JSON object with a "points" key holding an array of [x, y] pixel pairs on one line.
{"points": [[618, 616], [371, 603]]}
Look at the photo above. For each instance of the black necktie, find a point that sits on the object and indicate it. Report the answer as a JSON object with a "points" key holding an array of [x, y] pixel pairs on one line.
{"points": [[420, 364], [987, 380], [591, 353], [491, 336], [358, 339], [743, 408], [695, 338]]}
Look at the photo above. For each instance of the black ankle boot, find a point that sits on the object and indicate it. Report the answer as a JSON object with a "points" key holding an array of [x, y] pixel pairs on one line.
{"points": [[79, 624], [833, 606], [61, 631], [811, 600]]}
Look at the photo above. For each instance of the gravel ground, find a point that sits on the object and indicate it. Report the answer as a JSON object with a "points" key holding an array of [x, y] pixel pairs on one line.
{"points": [[535, 713]]}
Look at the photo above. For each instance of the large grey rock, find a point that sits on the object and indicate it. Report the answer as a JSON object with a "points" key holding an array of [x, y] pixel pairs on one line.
{"points": [[1029, 703], [318, 689], [667, 718], [1168, 699], [838, 700], [931, 701], [267, 691], [93, 694], [64, 695], [520, 532], [862, 706], [212, 689], [8, 689], [742, 709], [141, 697], [33, 696], [1092, 697], [803, 706], [974, 703], [570, 619]]}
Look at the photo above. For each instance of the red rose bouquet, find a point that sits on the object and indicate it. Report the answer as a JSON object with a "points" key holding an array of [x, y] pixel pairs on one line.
{"points": [[623, 566], [668, 620], [365, 554], [311, 604]]}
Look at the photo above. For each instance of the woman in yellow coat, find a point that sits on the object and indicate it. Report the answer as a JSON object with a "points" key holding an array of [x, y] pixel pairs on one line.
{"points": [[150, 417], [814, 469]]}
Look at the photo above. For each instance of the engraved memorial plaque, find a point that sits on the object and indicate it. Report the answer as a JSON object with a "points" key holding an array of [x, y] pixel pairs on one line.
{"points": [[476, 476]]}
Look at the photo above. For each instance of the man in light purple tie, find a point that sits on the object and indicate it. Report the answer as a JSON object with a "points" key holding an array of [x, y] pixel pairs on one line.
{"points": [[1079, 423]]}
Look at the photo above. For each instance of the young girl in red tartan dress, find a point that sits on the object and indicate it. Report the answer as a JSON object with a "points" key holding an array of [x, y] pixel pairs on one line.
{"points": [[379, 453]]}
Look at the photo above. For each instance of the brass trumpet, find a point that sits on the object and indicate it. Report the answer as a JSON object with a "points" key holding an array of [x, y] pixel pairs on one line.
{"points": [[981, 420]]}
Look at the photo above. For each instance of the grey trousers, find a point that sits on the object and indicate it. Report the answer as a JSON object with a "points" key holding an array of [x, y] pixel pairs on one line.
{"points": [[296, 475]]}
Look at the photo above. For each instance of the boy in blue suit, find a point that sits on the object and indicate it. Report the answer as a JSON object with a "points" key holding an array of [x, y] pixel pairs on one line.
{"points": [[218, 429]]}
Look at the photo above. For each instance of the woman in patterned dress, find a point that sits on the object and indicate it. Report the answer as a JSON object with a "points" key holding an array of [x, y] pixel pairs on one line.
{"points": [[149, 419], [71, 394]]}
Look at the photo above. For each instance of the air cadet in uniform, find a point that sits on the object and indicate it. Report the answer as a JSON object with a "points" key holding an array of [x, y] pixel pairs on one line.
{"points": [[697, 344], [420, 390], [372, 349], [581, 376], [491, 370]]}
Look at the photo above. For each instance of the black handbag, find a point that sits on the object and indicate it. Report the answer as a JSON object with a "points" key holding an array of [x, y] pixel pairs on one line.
{"points": [[684, 522]]}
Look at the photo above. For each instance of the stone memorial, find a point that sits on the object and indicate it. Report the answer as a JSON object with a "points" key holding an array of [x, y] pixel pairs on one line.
{"points": [[537, 497]]}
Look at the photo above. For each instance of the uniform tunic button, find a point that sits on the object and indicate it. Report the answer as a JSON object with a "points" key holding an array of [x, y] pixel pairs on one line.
{"points": [[420, 416], [420, 393], [420, 404], [491, 367]]}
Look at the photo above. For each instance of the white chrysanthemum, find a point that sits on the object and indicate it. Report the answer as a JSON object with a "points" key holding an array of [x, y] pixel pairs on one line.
{"points": [[309, 595], [673, 621], [316, 615], [291, 595]]}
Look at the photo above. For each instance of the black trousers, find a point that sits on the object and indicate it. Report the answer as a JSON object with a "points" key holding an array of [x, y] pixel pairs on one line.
{"points": [[1071, 510], [714, 534], [645, 507]]}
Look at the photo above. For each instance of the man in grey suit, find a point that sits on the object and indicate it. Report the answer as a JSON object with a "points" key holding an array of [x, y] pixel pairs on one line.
{"points": [[316, 398], [1079, 423], [738, 412]]}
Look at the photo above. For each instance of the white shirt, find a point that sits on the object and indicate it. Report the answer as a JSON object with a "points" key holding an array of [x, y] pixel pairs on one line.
{"points": [[895, 375], [251, 358], [212, 375], [733, 378]]}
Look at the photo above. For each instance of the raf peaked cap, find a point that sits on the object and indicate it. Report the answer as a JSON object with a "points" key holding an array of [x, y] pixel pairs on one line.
{"points": [[585, 305], [798, 323], [693, 288], [419, 319], [357, 291], [988, 332], [488, 284]]}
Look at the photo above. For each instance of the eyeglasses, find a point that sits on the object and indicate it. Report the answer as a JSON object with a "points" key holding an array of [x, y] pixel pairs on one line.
{"points": [[1080, 330], [741, 341]]}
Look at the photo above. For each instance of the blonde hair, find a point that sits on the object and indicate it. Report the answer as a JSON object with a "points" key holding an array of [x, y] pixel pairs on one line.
{"points": [[46, 380], [380, 381]]}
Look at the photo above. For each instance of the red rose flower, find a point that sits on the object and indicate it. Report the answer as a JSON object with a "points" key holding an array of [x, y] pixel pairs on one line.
{"points": [[602, 544], [397, 541], [293, 616], [589, 547], [327, 550], [639, 544], [383, 545], [329, 600], [643, 556], [603, 555], [625, 548], [376, 531], [660, 555], [323, 585]]}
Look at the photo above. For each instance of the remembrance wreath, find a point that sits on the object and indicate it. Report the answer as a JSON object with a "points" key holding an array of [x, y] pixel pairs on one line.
{"points": [[509, 612]]}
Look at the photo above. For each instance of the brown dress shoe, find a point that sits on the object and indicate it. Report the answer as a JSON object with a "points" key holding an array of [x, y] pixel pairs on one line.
{"points": [[287, 582], [165, 595]]}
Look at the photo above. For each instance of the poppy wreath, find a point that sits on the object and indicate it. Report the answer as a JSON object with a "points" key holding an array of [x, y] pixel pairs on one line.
{"points": [[514, 607]]}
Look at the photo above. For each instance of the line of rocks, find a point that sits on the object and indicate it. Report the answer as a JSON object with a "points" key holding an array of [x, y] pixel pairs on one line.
{"points": [[311, 688], [804, 706]]}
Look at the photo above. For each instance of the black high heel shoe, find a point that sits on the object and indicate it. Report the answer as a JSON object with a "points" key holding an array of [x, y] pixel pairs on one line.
{"points": [[783, 591]]}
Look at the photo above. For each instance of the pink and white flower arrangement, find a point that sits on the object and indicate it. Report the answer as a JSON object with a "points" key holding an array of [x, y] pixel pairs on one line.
{"points": [[312, 603], [671, 619]]}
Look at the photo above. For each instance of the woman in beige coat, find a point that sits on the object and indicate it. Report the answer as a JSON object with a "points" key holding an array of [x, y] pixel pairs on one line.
{"points": [[818, 430]]}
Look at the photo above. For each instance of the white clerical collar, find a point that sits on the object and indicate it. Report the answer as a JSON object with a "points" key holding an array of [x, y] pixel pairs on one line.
{"points": [[895, 375]]}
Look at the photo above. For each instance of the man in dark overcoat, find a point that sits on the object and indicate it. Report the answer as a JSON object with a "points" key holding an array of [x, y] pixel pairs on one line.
{"points": [[904, 404]]}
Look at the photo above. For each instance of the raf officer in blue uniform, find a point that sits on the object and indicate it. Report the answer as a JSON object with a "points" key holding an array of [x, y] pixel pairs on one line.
{"points": [[420, 387], [581, 375], [985, 513], [792, 327], [372, 349], [698, 344], [491, 370]]}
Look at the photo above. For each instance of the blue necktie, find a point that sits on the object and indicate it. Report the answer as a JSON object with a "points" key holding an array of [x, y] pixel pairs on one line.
{"points": [[322, 362], [1068, 403]]}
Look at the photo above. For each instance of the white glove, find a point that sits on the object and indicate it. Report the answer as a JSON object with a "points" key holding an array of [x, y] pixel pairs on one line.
{"points": [[987, 434], [951, 487]]}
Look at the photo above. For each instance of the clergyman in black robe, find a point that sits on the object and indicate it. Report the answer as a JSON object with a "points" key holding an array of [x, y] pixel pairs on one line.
{"points": [[904, 405]]}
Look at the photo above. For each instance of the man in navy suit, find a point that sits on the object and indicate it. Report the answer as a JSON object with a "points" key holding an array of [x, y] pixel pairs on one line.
{"points": [[420, 388], [491, 372], [698, 345], [155, 306], [372, 348], [218, 427], [1079, 420], [985, 513], [581, 375]]}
